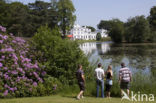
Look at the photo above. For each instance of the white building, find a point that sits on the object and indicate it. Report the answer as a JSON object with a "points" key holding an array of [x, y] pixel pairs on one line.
{"points": [[83, 33], [102, 32]]}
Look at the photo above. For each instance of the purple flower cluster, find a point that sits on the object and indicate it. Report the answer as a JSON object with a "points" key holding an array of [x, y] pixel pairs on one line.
{"points": [[7, 50], [3, 29], [54, 87], [1, 65], [1, 41], [4, 37], [16, 64], [5, 93]]}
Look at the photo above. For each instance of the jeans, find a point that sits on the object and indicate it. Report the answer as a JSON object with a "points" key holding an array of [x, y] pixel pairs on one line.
{"points": [[100, 83]]}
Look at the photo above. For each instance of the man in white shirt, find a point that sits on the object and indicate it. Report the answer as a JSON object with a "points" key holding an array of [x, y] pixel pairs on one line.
{"points": [[99, 73]]}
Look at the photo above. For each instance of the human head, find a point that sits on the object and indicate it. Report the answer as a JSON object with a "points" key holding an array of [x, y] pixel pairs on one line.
{"points": [[99, 65], [109, 67], [79, 66], [122, 64]]}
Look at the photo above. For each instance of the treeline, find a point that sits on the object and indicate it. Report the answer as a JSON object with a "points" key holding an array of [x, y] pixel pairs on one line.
{"points": [[24, 19], [137, 29]]}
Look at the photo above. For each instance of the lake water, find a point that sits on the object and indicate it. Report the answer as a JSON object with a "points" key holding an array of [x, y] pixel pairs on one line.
{"points": [[138, 57]]}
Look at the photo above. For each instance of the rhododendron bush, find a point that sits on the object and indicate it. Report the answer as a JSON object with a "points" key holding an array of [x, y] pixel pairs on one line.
{"points": [[19, 74], [42, 65]]}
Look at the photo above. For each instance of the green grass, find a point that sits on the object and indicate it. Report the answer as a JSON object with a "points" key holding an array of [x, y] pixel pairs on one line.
{"points": [[64, 99]]}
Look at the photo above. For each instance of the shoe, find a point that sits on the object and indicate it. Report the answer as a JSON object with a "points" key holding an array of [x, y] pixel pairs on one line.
{"points": [[82, 97], [78, 98]]}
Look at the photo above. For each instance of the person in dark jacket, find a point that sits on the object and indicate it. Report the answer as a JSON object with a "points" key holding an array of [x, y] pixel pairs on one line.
{"points": [[81, 81]]}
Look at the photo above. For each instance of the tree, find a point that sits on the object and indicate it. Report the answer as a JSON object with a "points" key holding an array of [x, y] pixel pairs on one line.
{"points": [[137, 29], [152, 18], [24, 20], [66, 15], [92, 28], [14, 17], [4, 16], [117, 30], [104, 24], [2, 0], [152, 21], [19, 22], [39, 13], [98, 37]]}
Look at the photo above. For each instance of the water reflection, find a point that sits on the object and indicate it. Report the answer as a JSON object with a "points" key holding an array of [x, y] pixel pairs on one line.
{"points": [[136, 56], [92, 46]]}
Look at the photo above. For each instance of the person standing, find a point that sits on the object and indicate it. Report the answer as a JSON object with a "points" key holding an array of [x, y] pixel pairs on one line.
{"points": [[109, 82], [81, 81], [99, 73], [125, 77]]}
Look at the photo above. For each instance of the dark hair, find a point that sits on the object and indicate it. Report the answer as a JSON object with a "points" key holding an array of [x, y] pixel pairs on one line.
{"points": [[122, 64], [99, 65], [79, 66]]}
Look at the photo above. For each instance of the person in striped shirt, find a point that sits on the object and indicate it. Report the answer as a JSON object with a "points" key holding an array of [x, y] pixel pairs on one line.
{"points": [[125, 78]]}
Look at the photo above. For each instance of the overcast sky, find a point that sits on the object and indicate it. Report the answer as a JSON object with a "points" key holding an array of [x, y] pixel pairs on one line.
{"points": [[90, 12]]}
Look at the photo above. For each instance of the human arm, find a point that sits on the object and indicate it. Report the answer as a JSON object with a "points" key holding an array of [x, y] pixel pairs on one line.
{"points": [[103, 74], [83, 77], [120, 76], [130, 76], [111, 72]]}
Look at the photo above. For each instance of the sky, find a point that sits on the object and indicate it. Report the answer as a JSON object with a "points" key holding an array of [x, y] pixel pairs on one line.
{"points": [[91, 12]]}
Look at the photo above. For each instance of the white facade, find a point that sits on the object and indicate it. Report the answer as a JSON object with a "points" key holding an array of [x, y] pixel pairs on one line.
{"points": [[103, 33], [83, 33]]}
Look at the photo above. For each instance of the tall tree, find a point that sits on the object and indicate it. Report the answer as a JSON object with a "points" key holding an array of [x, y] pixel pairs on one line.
{"points": [[19, 19], [92, 28], [137, 29], [14, 17], [39, 14], [105, 24], [117, 30], [98, 37], [152, 18], [152, 21], [4, 15], [66, 15]]}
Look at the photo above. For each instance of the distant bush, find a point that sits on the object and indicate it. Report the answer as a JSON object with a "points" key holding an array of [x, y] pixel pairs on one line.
{"points": [[106, 39], [98, 37]]}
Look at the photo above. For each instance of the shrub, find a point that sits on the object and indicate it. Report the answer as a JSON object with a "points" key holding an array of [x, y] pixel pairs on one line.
{"points": [[60, 56], [98, 37], [52, 85], [19, 73]]}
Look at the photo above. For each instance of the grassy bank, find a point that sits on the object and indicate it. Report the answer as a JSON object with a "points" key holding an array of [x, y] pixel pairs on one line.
{"points": [[142, 83], [64, 99]]}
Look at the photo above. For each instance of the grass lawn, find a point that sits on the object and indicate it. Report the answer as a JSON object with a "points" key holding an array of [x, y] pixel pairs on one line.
{"points": [[65, 99]]}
